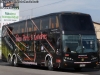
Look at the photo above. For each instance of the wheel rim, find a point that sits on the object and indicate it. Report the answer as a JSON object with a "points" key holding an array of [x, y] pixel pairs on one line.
{"points": [[15, 61], [9, 60], [50, 64]]}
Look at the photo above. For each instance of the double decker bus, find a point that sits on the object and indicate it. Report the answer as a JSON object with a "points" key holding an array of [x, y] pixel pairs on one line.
{"points": [[56, 40]]}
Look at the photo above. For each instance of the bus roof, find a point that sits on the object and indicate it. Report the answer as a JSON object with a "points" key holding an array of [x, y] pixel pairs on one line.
{"points": [[55, 13]]}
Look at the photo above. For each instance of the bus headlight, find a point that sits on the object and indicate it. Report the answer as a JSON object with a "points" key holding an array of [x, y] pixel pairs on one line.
{"points": [[67, 58], [94, 58]]}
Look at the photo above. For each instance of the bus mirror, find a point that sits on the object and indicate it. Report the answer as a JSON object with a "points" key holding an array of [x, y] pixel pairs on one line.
{"points": [[58, 44]]}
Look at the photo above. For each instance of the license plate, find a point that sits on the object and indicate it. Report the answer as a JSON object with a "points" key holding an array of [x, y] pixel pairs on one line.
{"points": [[82, 65]]}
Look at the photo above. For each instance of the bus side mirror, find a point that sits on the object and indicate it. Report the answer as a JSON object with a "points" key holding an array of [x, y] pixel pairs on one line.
{"points": [[58, 44]]}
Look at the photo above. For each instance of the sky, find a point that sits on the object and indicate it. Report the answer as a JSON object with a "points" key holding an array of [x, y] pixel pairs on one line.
{"points": [[91, 7]]}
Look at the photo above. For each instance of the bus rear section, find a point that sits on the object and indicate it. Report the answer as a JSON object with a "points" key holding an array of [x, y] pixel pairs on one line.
{"points": [[15, 47], [79, 42]]}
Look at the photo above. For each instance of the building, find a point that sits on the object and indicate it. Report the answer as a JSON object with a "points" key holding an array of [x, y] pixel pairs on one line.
{"points": [[97, 29], [9, 13]]}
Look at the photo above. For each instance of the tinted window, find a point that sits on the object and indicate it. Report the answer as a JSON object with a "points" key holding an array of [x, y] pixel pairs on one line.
{"points": [[53, 22], [29, 26], [37, 23], [77, 23], [45, 23], [22, 27], [16, 28]]}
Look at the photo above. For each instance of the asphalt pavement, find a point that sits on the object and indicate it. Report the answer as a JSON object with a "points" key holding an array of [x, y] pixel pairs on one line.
{"points": [[5, 69]]}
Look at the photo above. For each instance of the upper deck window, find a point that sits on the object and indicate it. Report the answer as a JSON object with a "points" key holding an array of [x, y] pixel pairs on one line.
{"points": [[77, 23], [45, 23], [53, 22]]}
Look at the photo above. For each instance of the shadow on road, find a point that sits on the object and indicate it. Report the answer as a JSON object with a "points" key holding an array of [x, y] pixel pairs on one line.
{"points": [[71, 70], [88, 71]]}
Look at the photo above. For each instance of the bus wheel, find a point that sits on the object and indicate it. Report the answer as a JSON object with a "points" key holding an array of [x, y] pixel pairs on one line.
{"points": [[9, 61], [49, 64], [77, 69], [14, 61]]}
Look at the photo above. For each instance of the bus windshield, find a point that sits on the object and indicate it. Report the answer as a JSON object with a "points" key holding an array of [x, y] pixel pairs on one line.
{"points": [[88, 45], [73, 22], [75, 44]]}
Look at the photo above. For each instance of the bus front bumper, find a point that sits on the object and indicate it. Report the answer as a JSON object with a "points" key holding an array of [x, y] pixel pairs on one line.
{"points": [[87, 64]]}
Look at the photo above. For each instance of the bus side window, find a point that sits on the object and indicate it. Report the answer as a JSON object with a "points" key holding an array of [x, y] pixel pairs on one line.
{"points": [[32, 46], [22, 27], [22, 30], [29, 26], [37, 46], [45, 23], [35, 28], [52, 25], [26, 26], [18, 30], [15, 29], [37, 23], [53, 22], [52, 41], [57, 22], [10, 30]]}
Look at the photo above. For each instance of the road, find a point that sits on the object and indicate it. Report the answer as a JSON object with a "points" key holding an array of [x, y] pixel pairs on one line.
{"points": [[5, 69]]}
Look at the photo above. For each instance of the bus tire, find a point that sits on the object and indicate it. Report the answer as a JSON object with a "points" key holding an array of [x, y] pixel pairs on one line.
{"points": [[49, 64], [78, 69], [9, 60], [15, 61]]}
